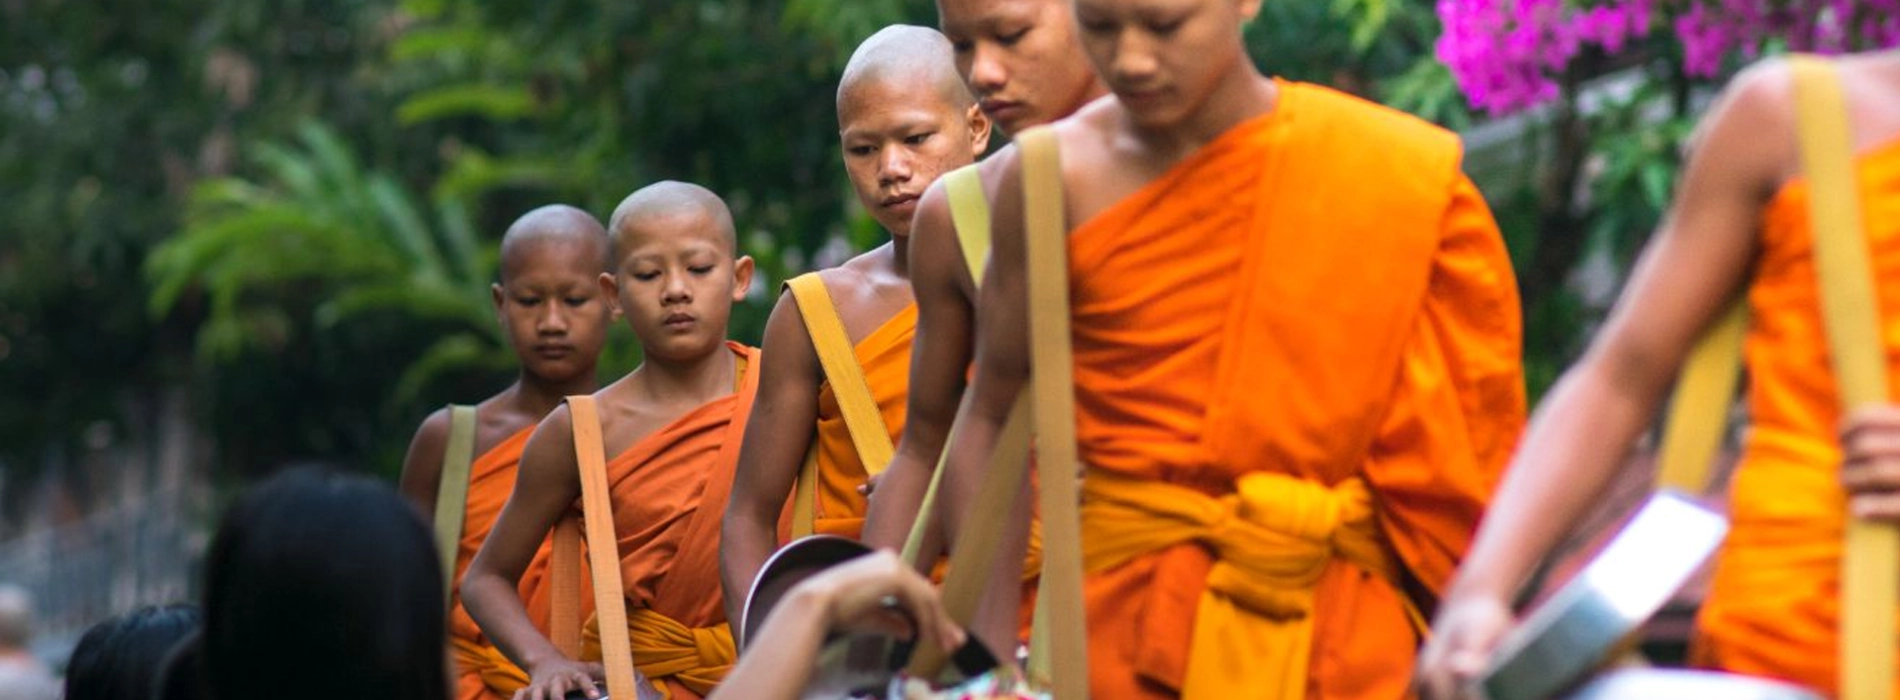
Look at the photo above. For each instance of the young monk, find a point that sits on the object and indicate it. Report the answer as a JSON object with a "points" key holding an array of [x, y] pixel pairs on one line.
{"points": [[1022, 60], [673, 426], [904, 118], [549, 302], [1295, 333], [1740, 224]]}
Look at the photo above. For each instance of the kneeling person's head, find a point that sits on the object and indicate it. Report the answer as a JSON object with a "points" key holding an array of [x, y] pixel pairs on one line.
{"points": [[905, 118], [677, 271]]}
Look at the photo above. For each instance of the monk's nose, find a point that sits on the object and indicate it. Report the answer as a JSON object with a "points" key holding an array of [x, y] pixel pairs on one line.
{"points": [[553, 319], [987, 73], [894, 166]]}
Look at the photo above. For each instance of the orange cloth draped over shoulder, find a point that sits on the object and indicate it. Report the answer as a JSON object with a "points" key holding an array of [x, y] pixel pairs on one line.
{"points": [[1774, 607], [1298, 380], [482, 672], [884, 355], [668, 491]]}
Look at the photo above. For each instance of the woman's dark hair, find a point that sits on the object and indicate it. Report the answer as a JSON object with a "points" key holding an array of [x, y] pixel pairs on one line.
{"points": [[120, 658], [323, 585]]}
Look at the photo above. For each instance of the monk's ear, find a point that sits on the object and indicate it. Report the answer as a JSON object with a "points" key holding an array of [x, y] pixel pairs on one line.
{"points": [[979, 131], [494, 290], [741, 277], [610, 288]]}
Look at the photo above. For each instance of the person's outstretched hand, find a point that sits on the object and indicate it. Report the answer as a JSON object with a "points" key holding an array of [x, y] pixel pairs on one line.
{"points": [[879, 592], [1463, 637]]}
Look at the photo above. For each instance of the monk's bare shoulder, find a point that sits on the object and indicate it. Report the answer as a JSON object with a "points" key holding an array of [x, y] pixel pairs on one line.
{"points": [[422, 466]]}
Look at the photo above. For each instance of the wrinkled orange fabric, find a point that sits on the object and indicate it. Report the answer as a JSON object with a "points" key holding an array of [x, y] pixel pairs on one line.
{"points": [[884, 355], [1773, 607], [668, 491], [1319, 293], [482, 672]]}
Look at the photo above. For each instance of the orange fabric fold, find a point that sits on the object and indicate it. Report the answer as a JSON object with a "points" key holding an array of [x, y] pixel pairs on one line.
{"points": [[668, 491], [884, 355], [482, 672], [1773, 607], [1260, 308]]}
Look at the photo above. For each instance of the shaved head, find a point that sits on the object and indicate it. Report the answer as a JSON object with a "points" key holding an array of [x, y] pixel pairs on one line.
{"points": [[554, 224], [670, 200], [908, 55]]}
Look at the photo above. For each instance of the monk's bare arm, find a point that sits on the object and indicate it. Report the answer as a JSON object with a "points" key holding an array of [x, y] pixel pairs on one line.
{"points": [[547, 485], [1694, 266], [777, 437], [940, 354], [1002, 367], [422, 467]]}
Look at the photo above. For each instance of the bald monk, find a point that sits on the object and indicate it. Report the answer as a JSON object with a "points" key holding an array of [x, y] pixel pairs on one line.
{"points": [[1296, 340], [672, 428], [1740, 224], [554, 315], [904, 118], [1022, 60]]}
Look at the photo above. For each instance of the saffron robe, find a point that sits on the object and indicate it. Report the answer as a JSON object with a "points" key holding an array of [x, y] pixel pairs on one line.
{"points": [[668, 491], [884, 356], [1319, 293], [482, 672], [1773, 607]]}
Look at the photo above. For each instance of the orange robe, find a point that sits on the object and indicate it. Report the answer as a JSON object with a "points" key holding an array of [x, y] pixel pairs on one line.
{"points": [[1319, 293], [482, 672], [668, 492], [1773, 607], [884, 355]]}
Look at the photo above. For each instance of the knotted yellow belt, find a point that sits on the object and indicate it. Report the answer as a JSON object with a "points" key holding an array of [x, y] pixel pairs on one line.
{"points": [[501, 675], [697, 657], [1272, 540]]}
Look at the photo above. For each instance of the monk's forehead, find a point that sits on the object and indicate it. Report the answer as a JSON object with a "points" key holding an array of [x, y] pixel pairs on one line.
{"points": [[678, 233]]}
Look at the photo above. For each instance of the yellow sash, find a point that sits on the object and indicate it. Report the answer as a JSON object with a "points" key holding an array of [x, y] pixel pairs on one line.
{"points": [[697, 657], [1272, 539], [500, 674]]}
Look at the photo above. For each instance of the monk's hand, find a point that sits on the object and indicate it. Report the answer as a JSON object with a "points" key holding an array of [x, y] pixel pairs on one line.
{"points": [[1463, 637], [879, 592], [1870, 468], [555, 678]]}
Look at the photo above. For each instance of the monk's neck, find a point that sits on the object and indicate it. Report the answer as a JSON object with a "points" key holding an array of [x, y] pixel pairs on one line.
{"points": [[695, 380], [1242, 95], [537, 396], [900, 256]]}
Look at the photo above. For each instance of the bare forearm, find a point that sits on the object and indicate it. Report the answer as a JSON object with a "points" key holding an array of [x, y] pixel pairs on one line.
{"points": [[1574, 446], [491, 600], [781, 670], [746, 539]]}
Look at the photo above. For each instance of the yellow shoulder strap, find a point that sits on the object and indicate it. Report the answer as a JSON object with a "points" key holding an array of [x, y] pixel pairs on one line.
{"points": [[840, 361], [1870, 565], [970, 214], [603, 550], [1697, 414], [1059, 600], [451, 493]]}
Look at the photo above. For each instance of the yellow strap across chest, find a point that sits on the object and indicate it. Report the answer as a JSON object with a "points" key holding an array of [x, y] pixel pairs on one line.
{"points": [[1870, 564], [603, 549], [856, 403], [451, 494]]}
